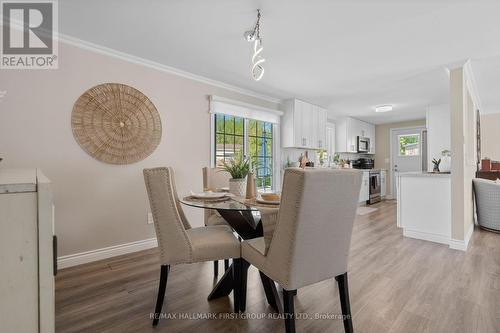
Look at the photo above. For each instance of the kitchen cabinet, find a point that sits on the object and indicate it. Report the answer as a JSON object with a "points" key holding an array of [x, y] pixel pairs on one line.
{"points": [[383, 183], [27, 252], [330, 139], [303, 125], [347, 131], [364, 193]]}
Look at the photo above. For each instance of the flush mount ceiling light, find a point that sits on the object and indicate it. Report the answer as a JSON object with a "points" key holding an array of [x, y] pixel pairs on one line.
{"points": [[383, 108], [257, 59]]}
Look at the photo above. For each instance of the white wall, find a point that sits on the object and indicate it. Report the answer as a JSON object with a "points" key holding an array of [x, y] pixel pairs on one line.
{"points": [[97, 204], [438, 132]]}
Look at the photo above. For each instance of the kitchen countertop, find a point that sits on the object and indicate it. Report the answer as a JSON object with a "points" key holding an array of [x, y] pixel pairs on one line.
{"points": [[424, 174]]}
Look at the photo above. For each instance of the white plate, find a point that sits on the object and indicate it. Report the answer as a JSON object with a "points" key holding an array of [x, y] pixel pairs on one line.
{"points": [[209, 195]]}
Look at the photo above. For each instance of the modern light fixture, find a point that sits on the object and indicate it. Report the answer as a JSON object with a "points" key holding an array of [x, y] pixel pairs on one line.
{"points": [[383, 108], [257, 59]]}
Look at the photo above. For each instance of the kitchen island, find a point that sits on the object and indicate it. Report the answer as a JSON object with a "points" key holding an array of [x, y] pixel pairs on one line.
{"points": [[424, 206]]}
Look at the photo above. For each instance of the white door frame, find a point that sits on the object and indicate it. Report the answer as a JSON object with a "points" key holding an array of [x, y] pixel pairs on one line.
{"points": [[391, 170]]}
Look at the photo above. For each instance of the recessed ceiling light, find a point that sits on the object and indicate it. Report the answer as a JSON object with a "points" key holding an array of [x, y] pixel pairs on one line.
{"points": [[383, 108]]}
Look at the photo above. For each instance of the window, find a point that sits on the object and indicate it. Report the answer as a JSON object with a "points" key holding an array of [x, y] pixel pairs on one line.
{"points": [[260, 151], [229, 137], [251, 137], [409, 145]]}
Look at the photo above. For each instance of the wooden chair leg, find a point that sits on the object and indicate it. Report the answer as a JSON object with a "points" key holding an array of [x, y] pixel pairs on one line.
{"points": [[161, 292], [243, 281], [344, 302], [216, 268], [226, 264], [288, 310]]}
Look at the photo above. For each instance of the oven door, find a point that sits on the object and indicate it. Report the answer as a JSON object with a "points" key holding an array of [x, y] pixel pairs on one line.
{"points": [[363, 145], [375, 185]]}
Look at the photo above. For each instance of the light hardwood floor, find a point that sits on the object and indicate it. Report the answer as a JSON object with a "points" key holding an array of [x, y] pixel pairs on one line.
{"points": [[396, 285]]}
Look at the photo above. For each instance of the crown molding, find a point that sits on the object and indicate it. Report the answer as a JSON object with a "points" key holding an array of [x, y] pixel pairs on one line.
{"points": [[160, 67]]}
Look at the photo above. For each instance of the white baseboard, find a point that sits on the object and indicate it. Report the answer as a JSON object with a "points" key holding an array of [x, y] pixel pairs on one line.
{"points": [[454, 244], [426, 236], [104, 253], [462, 244]]}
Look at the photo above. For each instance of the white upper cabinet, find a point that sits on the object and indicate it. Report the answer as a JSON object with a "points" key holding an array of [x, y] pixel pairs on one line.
{"points": [[303, 125], [347, 131]]}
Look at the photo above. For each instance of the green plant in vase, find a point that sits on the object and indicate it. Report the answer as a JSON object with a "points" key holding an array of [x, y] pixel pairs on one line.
{"points": [[238, 167]]}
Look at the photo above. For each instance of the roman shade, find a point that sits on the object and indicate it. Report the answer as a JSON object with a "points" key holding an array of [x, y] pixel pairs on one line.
{"points": [[222, 105]]}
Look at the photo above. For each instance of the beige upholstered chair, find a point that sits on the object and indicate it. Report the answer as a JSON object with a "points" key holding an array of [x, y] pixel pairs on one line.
{"points": [[178, 242], [312, 235], [214, 178]]}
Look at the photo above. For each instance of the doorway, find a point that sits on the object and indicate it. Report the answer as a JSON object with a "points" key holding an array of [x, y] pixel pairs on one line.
{"points": [[408, 152]]}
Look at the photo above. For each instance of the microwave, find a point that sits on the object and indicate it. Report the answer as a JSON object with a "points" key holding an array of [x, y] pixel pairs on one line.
{"points": [[363, 145]]}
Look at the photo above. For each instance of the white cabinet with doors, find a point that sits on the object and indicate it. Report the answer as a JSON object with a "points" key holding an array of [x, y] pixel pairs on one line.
{"points": [[364, 193], [330, 139], [347, 131], [26, 252], [303, 125]]}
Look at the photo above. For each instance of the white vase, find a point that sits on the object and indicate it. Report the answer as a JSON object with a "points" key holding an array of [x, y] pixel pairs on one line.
{"points": [[238, 187], [445, 165]]}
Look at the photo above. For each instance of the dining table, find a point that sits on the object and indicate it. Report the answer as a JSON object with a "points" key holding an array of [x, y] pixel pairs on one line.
{"points": [[244, 217]]}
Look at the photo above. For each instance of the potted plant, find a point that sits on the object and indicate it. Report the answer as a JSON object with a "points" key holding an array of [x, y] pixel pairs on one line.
{"points": [[436, 165], [445, 165], [238, 167]]}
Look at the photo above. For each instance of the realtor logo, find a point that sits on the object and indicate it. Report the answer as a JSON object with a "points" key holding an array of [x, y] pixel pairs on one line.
{"points": [[28, 40]]}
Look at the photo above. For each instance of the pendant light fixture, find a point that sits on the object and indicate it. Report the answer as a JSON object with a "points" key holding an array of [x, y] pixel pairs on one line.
{"points": [[257, 59]]}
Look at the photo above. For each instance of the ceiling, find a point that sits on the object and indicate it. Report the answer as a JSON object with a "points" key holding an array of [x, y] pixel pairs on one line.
{"points": [[347, 56]]}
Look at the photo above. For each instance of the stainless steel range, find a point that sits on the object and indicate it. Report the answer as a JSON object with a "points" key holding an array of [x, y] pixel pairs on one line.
{"points": [[374, 187]]}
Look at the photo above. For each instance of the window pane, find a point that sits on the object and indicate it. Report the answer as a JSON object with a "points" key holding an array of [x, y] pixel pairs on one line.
{"points": [[260, 128], [238, 144], [219, 123], [268, 130], [229, 124], [409, 145], [252, 127], [239, 123], [252, 146]]}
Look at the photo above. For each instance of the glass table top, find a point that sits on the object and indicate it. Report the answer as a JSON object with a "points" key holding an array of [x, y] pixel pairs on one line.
{"points": [[229, 204]]}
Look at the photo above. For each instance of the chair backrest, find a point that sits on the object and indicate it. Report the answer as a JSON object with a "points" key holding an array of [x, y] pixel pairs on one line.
{"points": [[169, 219], [487, 194], [315, 220], [214, 178]]}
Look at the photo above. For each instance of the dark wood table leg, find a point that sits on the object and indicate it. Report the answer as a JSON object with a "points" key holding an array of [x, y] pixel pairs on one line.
{"points": [[224, 286], [247, 228]]}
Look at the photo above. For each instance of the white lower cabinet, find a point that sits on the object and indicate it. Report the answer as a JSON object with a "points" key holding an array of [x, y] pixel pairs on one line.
{"points": [[364, 193], [26, 252]]}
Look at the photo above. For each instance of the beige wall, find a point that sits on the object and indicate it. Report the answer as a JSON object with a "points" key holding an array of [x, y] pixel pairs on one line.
{"points": [[100, 205], [463, 142], [490, 136], [383, 142]]}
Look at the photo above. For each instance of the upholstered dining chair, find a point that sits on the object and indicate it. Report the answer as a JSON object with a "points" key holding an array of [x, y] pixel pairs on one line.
{"points": [[177, 241], [311, 238], [213, 179]]}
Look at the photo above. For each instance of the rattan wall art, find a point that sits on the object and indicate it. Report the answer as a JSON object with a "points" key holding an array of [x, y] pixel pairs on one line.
{"points": [[116, 124]]}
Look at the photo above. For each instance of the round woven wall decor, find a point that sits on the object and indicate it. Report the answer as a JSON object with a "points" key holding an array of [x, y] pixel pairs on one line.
{"points": [[116, 124]]}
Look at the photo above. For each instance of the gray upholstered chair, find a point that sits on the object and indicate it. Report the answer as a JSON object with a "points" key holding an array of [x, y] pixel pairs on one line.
{"points": [[213, 179], [487, 193], [177, 241], [312, 236]]}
